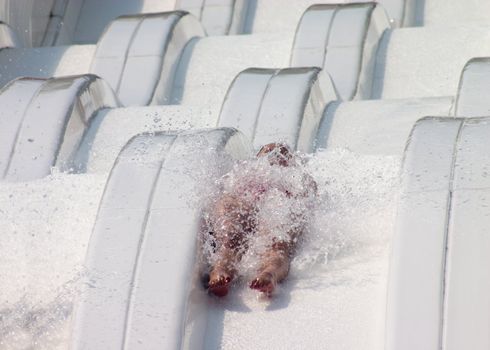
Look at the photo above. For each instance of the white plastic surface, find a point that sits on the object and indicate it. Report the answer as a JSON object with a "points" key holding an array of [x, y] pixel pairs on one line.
{"points": [[95, 15], [63, 22], [14, 99], [83, 22], [8, 38], [415, 312], [270, 105], [343, 40], [40, 133], [439, 291], [219, 17], [183, 33], [468, 281], [273, 16], [138, 56], [132, 54], [55, 23], [305, 90], [413, 12], [439, 281], [146, 229], [442, 12], [467, 298], [28, 18], [408, 67], [202, 82], [377, 126], [102, 144], [473, 99], [45, 62]]}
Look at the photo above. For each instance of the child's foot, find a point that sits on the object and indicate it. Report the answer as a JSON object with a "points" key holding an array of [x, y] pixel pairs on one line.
{"points": [[219, 282], [265, 282]]}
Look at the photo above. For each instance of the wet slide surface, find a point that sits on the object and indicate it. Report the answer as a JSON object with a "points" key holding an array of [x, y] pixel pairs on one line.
{"points": [[336, 287], [47, 225], [334, 297], [336, 293]]}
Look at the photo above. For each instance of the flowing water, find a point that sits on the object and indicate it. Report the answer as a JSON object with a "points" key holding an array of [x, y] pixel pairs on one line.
{"points": [[334, 297], [336, 286], [46, 226]]}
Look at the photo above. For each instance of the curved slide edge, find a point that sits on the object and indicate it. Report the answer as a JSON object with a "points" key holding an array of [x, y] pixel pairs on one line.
{"points": [[343, 40], [472, 99], [101, 145], [62, 22], [467, 297], [278, 104], [412, 12], [219, 17], [8, 37], [55, 23], [399, 11], [43, 122], [439, 286], [141, 258], [44, 62], [138, 55], [417, 270], [28, 18]]}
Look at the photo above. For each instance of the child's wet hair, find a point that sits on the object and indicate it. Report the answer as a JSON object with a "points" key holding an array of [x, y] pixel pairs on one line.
{"points": [[277, 152]]}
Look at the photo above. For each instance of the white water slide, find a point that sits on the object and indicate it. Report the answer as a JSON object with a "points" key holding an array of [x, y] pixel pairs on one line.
{"points": [[111, 144]]}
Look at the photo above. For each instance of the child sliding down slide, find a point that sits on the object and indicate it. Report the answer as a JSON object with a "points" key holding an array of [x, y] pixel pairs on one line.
{"points": [[268, 197]]}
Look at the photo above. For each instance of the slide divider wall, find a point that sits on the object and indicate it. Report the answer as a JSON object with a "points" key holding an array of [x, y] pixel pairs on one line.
{"points": [[270, 105], [43, 122], [145, 291], [343, 40], [439, 283]]}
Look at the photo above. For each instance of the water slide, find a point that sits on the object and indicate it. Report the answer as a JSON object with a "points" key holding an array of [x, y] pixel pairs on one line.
{"points": [[68, 22], [103, 182]]}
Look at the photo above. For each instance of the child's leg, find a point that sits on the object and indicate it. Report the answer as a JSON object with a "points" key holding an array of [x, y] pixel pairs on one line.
{"points": [[275, 261], [274, 267], [232, 222]]}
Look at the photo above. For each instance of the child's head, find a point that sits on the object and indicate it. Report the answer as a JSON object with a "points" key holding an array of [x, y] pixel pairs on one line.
{"points": [[277, 154]]}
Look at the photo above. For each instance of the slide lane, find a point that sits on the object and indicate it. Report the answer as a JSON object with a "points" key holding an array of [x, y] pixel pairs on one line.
{"points": [[142, 254], [335, 294]]}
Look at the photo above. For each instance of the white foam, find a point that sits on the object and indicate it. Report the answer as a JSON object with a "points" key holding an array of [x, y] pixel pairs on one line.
{"points": [[336, 288], [46, 228], [283, 197]]}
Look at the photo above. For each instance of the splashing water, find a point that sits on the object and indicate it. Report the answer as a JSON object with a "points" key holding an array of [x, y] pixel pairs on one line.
{"points": [[46, 227], [341, 261], [355, 208], [354, 205], [336, 288], [265, 204]]}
